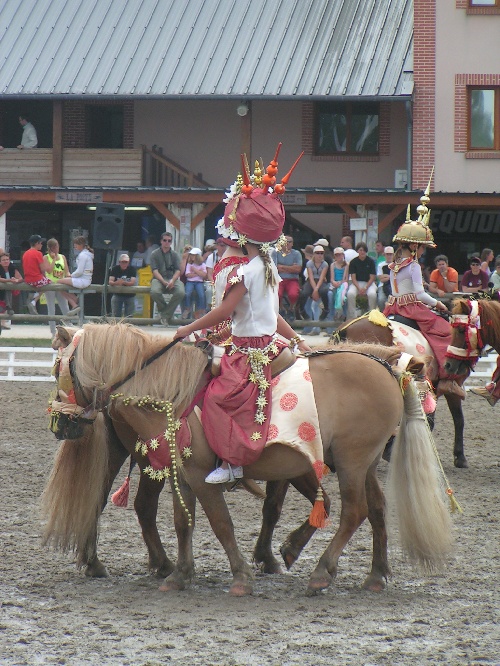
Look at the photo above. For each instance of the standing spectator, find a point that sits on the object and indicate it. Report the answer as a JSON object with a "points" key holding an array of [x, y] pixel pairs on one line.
{"points": [[166, 267], [487, 256], [349, 253], [59, 269], [289, 265], [139, 255], [8, 273], [34, 268], [196, 272], [122, 275], [29, 138], [494, 282], [443, 279], [151, 246], [211, 262], [474, 279], [316, 286], [384, 278], [363, 273], [81, 277]]}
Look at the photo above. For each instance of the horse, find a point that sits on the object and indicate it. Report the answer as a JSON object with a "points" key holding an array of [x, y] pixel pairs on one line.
{"points": [[72, 520], [475, 324], [364, 329], [359, 402]]}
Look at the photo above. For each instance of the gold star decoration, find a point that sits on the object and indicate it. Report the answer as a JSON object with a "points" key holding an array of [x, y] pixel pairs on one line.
{"points": [[252, 378], [260, 418], [154, 444], [242, 240], [235, 279], [261, 401], [187, 452], [256, 436]]}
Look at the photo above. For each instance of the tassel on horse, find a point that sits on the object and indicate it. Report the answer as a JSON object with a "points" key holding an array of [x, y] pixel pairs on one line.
{"points": [[120, 497]]}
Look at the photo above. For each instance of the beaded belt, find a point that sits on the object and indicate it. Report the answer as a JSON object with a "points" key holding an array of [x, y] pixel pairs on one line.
{"points": [[404, 299]]}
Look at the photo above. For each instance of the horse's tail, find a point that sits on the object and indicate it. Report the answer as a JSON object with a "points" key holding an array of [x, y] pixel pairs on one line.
{"points": [[414, 487], [74, 495]]}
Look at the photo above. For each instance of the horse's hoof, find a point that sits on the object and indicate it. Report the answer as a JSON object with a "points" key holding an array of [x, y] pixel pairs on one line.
{"points": [[174, 583], [289, 558], [461, 462], [96, 570], [373, 584], [318, 583], [270, 567], [164, 570], [241, 590]]}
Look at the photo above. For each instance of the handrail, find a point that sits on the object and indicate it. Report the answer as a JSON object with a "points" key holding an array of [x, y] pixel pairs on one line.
{"points": [[166, 172]]}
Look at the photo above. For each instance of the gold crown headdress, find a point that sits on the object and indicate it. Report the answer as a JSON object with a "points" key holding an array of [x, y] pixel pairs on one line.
{"points": [[417, 231]]}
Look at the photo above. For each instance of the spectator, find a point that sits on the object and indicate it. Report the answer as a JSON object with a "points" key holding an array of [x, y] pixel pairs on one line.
{"points": [[209, 247], [316, 286], [379, 254], [196, 272], [338, 287], [29, 138], [8, 273], [487, 256], [211, 262], [443, 279], [349, 253], [289, 264], [34, 268], [363, 273], [59, 269], [122, 275], [494, 282], [328, 252], [139, 255], [81, 277], [151, 246], [166, 267], [384, 278], [474, 279]]}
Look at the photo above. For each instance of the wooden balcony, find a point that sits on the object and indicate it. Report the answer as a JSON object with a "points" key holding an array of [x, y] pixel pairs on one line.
{"points": [[81, 167]]}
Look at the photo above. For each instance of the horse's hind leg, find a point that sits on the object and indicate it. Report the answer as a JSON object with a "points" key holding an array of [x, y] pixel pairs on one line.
{"points": [[353, 512], [271, 512], [456, 411], [377, 577]]}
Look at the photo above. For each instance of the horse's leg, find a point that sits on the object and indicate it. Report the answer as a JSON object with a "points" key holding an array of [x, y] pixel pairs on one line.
{"points": [[296, 541], [377, 577], [271, 512], [183, 572], [456, 411], [353, 512]]}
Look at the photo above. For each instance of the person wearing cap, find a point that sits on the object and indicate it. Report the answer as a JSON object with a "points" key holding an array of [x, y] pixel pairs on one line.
{"points": [[410, 300], [122, 275], [34, 269], [209, 247], [237, 404], [326, 246], [475, 279], [363, 272], [289, 264], [384, 277], [195, 273], [316, 286], [338, 287], [166, 267]]}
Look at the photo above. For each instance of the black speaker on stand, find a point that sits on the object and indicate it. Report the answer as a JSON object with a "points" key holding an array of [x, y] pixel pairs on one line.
{"points": [[108, 235]]}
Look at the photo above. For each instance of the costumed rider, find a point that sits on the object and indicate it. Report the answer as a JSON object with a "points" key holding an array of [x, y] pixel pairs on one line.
{"points": [[237, 404], [410, 300]]}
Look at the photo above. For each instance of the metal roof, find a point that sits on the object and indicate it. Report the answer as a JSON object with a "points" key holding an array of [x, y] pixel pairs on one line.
{"points": [[293, 49]]}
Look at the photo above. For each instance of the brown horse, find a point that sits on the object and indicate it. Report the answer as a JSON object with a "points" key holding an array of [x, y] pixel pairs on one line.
{"points": [[359, 404], [475, 324], [364, 330]]}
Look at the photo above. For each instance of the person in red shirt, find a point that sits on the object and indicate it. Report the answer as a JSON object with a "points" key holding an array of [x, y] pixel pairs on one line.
{"points": [[475, 279], [35, 267], [444, 279]]}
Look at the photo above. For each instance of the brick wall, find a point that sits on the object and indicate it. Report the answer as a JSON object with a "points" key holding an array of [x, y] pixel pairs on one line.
{"points": [[76, 126]]}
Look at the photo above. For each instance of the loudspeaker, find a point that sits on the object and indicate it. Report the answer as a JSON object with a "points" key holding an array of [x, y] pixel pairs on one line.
{"points": [[108, 227]]}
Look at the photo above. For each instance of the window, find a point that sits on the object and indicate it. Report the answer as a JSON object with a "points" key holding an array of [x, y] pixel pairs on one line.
{"points": [[484, 3], [105, 126], [350, 128], [484, 114]]}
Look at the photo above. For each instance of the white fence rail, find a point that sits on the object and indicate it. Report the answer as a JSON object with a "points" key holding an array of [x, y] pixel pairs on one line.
{"points": [[15, 358]]}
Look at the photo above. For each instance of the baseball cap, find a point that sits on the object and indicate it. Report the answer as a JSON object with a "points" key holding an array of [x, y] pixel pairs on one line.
{"points": [[339, 250], [195, 250], [389, 249], [123, 257], [36, 239], [319, 248], [210, 242], [323, 242]]}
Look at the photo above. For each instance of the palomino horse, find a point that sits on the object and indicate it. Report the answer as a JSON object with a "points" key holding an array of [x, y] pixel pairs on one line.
{"points": [[364, 330], [475, 324], [359, 404], [72, 516]]}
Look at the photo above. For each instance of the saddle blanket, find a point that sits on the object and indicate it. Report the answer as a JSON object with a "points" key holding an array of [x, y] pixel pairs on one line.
{"points": [[411, 341]]}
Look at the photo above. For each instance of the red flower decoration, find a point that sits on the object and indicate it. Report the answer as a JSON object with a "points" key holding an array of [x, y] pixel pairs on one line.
{"points": [[420, 348], [400, 345], [288, 402], [272, 433], [307, 432], [403, 331], [307, 375], [275, 381]]}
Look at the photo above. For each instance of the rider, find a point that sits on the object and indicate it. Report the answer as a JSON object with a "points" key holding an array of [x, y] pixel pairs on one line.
{"points": [[237, 403], [409, 299]]}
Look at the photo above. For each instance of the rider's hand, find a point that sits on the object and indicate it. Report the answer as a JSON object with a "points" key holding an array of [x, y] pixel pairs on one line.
{"points": [[182, 332], [441, 307]]}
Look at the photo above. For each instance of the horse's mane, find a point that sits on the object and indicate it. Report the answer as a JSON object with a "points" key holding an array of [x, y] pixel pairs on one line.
{"points": [[489, 312], [107, 353]]}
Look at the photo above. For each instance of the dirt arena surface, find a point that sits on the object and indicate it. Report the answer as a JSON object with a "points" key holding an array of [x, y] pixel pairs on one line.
{"points": [[51, 614]]}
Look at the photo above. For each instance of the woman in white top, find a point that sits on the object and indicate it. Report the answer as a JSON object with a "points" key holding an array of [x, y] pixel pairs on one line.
{"points": [[81, 277]]}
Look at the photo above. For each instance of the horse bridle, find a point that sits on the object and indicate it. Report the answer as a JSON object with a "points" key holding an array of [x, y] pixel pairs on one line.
{"points": [[471, 324]]}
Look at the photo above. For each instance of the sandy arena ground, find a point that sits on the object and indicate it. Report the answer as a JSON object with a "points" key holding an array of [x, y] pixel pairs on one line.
{"points": [[51, 614]]}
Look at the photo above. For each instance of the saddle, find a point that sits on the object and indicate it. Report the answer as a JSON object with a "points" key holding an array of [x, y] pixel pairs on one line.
{"points": [[282, 362], [404, 320]]}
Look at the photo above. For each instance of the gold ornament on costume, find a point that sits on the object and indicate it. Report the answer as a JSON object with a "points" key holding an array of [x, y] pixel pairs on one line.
{"points": [[417, 231]]}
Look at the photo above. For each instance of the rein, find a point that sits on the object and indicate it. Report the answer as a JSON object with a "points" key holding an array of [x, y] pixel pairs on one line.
{"points": [[473, 339]]}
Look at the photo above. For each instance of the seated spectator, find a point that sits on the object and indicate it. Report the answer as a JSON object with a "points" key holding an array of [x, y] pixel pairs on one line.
{"points": [[474, 279], [487, 256], [316, 286], [122, 275], [196, 273], [327, 249], [289, 264], [363, 273], [139, 255], [10, 274], [338, 287], [494, 281], [151, 246], [384, 280], [166, 267], [349, 252], [443, 279], [34, 268]]}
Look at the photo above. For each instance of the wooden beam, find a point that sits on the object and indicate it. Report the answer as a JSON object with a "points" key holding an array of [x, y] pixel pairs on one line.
{"points": [[202, 215], [5, 205], [390, 217], [57, 131], [166, 212], [348, 210]]}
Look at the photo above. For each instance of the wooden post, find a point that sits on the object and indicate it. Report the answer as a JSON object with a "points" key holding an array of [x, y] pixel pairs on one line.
{"points": [[57, 143]]}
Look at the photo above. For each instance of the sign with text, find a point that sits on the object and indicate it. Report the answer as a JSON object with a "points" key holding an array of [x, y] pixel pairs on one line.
{"points": [[450, 221], [78, 197]]}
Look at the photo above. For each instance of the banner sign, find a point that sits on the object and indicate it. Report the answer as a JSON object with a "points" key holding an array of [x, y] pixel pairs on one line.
{"points": [[78, 197], [451, 221]]}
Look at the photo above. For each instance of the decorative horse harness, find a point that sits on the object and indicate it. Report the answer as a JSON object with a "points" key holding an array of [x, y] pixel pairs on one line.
{"points": [[471, 324]]}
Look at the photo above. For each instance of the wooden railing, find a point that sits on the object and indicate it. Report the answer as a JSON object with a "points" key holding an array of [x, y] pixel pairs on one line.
{"points": [[160, 171]]}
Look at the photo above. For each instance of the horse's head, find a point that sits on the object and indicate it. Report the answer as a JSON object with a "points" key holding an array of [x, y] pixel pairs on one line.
{"points": [[466, 343], [68, 419]]}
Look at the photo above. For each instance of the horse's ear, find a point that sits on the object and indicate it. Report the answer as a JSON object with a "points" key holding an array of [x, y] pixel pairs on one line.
{"points": [[65, 335], [460, 306]]}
